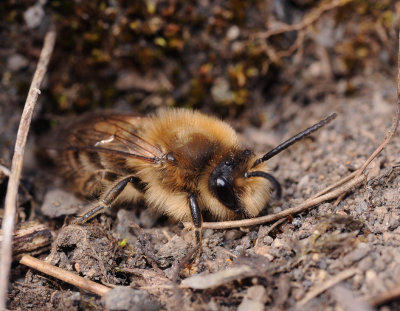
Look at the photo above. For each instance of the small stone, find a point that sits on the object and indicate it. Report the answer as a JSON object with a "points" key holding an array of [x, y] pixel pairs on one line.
{"points": [[233, 234], [268, 240], [298, 293], [176, 247], [365, 264], [279, 243], [34, 15], [255, 298], [129, 299], [370, 278], [263, 250], [298, 274], [393, 222], [60, 203], [359, 253], [221, 92], [303, 183], [207, 233], [233, 33], [361, 207], [257, 293], [17, 62], [248, 304]]}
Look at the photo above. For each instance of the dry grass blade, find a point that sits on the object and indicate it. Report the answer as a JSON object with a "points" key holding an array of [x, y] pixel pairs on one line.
{"points": [[16, 166], [64, 275], [199, 281], [311, 18], [290, 211], [317, 290]]}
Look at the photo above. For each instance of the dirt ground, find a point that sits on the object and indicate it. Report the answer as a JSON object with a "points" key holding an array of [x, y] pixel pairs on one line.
{"points": [[265, 269]]}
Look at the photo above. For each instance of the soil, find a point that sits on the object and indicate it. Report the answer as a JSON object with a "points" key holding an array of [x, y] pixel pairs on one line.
{"points": [[148, 258]]}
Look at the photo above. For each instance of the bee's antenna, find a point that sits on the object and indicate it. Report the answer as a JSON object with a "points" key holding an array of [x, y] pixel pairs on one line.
{"points": [[272, 179], [294, 139]]}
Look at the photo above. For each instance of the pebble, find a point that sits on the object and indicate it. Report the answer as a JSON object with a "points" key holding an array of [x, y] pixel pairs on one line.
{"points": [[298, 274], [221, 92], [361, 207], [233, 234], [34, 15], [360, 252], [17, 62], [58, 203], [365, 264], [393, 222], [279, 243], [129, 299], [268, 240], [370, 278], [233, 33], [254, 299]]}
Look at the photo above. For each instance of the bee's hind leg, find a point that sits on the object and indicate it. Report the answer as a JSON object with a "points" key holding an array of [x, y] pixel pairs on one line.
{"points": [[196, 217], [108, 199]]}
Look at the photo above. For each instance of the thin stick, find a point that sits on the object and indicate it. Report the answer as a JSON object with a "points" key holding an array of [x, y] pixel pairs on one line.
{"points": [[16, 166], [336, 184], [5, 170], [312, 17], [63, 275], [317, 290], [290, 211], [274, 225]]}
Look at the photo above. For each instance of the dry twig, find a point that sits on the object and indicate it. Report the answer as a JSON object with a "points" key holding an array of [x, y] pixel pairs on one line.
{"points": [[63, 275], [30, 237], [290, 211], [16, 166], [310, 18], [317, 290]]}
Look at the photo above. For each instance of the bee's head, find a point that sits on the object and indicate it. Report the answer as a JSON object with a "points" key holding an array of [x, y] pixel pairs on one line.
{"points": [[230, 185], [241, 182]]}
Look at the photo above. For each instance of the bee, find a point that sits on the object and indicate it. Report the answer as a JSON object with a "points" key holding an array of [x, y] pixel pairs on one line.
{"points": [[181, 163]]}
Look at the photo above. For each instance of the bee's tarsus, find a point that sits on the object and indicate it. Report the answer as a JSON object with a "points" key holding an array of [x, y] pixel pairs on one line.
{"points": [[109, 198], [90, 214]]}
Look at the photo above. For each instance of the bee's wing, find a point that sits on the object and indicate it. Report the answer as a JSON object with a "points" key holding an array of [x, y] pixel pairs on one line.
{"points": [[114, 134]]}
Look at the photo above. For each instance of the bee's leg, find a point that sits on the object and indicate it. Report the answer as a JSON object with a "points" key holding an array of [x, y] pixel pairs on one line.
{"points": [[196, 217], [108, 199]]}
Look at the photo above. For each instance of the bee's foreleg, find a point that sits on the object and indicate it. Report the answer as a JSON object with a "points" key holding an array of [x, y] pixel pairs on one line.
{"points": [[196, 217], [108, 199]]}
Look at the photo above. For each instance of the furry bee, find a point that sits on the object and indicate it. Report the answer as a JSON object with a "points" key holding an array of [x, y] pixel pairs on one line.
{"points": [[182, 163]]}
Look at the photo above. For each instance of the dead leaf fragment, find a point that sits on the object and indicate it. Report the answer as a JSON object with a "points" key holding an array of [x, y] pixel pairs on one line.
{"points": [[217, 279]]}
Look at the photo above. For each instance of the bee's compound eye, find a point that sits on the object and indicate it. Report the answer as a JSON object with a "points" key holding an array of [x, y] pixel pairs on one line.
{"points": [[224, 192]]}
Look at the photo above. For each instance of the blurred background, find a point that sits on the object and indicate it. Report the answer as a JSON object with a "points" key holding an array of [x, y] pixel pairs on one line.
{"points": [[225, 57]]}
